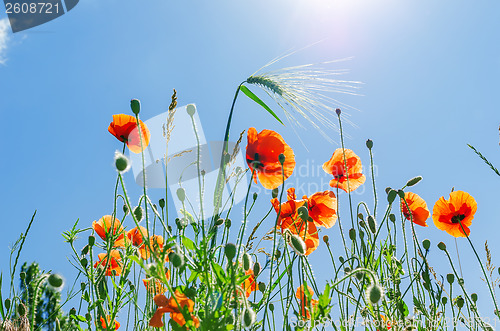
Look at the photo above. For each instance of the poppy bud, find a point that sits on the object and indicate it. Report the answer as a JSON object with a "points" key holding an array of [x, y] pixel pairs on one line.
{"points": [[426, 243], [22, 275], [401, 194], [182, 223], [256, 269], [271, 307], [338, 111], [262, 287], [341, 259], [88, 317], [460, 302], [138, 213], [84, 262], [91, 241], [392, 217], [122, 163], [326, 239], [21, 309], [347, 270], [246, 261], [298, 244], [56, 280], [125, 209], [372, 224], [473, 296], [181, 194], [281, 158], [191, 109], [7, 304], [359, 275], [277, 254], [85, 250], [228, 223], [255, 195], [176, 259], [83, 286], [461, 281], [360, 216], [161, 202], [387, 189], [72, 311], [444, 300], [391, 196], [374, 293], [450, 278], [275, 192], [369, 144], [442, 246], [203, 172], [248, 317], [352, 234], [230, 319], [135, 105], [230, 251], [219, 222], [303, 213], [414, 181], [361, 234]]}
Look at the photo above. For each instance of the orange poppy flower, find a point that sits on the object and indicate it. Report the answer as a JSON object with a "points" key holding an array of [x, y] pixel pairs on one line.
{"points": [[288, 219], [386, 322], [103, 323], [453, 214], [249, 285], [154, 286], [135, 235], [263, 150], [304, 301], [103, 229], [156, 244], [336, 167], [170, 306], [322, 208], [114, 265], [124, 128], [419, 212]]}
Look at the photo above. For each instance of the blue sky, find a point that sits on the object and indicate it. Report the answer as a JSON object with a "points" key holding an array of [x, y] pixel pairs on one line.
{"points": [[429, 71]]}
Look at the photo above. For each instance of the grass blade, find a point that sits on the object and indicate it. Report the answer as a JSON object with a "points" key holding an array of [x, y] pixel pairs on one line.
{"points": [[255, 98]]}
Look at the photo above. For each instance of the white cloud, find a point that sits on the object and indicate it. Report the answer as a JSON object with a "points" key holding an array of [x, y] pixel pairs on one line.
{"points": [[4, 38]]}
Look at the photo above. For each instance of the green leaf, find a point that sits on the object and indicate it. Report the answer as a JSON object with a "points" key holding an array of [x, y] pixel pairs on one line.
{"points": [[136, 260], [188, 243], [255, 98], [221, 275], [1, 299], [79, 318]]}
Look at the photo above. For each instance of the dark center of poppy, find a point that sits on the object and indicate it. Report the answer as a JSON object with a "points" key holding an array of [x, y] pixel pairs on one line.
{"points": [[255, 163], [124, 139], [457, 218]]}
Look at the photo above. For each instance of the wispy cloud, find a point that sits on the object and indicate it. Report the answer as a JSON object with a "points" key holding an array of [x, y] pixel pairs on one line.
{"points": [[4, 38]]}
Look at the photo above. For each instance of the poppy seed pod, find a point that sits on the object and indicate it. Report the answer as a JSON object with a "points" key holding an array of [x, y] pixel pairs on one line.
{"points": [[125, 209], [262, 287], [338, 111], [161, 202], [275, 192], [135, 105], [303, 213], [21, 309], [444, 300], [249, 317], [414, 181], [255, 195], [138, 213], [374, 293], [450, 278], [392, 217], [460, 302], [230, 251], [298, 244], [326, 239], [352, 234], [191, 109], [281, 158], [228, 223], [473, 296], [181, 194], [271, 306], [122, 163], [91, 241], [401, 194], [442, 246], [369, 144], [56, 280], [426, 243], [7, 304], [391, 196]]}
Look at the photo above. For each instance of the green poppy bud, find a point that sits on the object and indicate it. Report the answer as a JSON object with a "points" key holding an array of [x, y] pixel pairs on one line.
{"points": [[249, 317], [256, 269], [442, 246], [450, 278], [122, 163], [460, 302], [473, 296], [298, 244], [275, 192], [255, 195], [135, 105], [401, 194], [374, 293], [391, 196], [7, 304], [21, 309], [414, 181], [230, 251], [426, 243], [246, 261], [352, 234], [191, 109], [219, 222], [392, 217], [262, 287], [228, 223], [271, 307], [369, 144], [125, 209], [22, 275], [56, 280], [161, 202], [138, 213], [281, 158], [91, 241], [176, 259], [372, 224], [303, 213], [444, 300], [181, 194], [84, 262]]}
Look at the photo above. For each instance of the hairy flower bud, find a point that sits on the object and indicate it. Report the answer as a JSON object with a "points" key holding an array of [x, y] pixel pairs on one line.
{"points": [[135, 105]]}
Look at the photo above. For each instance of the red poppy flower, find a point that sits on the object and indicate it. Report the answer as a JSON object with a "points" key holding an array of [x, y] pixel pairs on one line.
{"points": [[155, 245], [305, 307], [135, 235], [453, 214], [322, 208], [106, 227], [262, 156], [288, 219], [124, 128], [114, 265], [170, 306], [336, 167], [419, 212], [103, 323], [249, 285]]}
